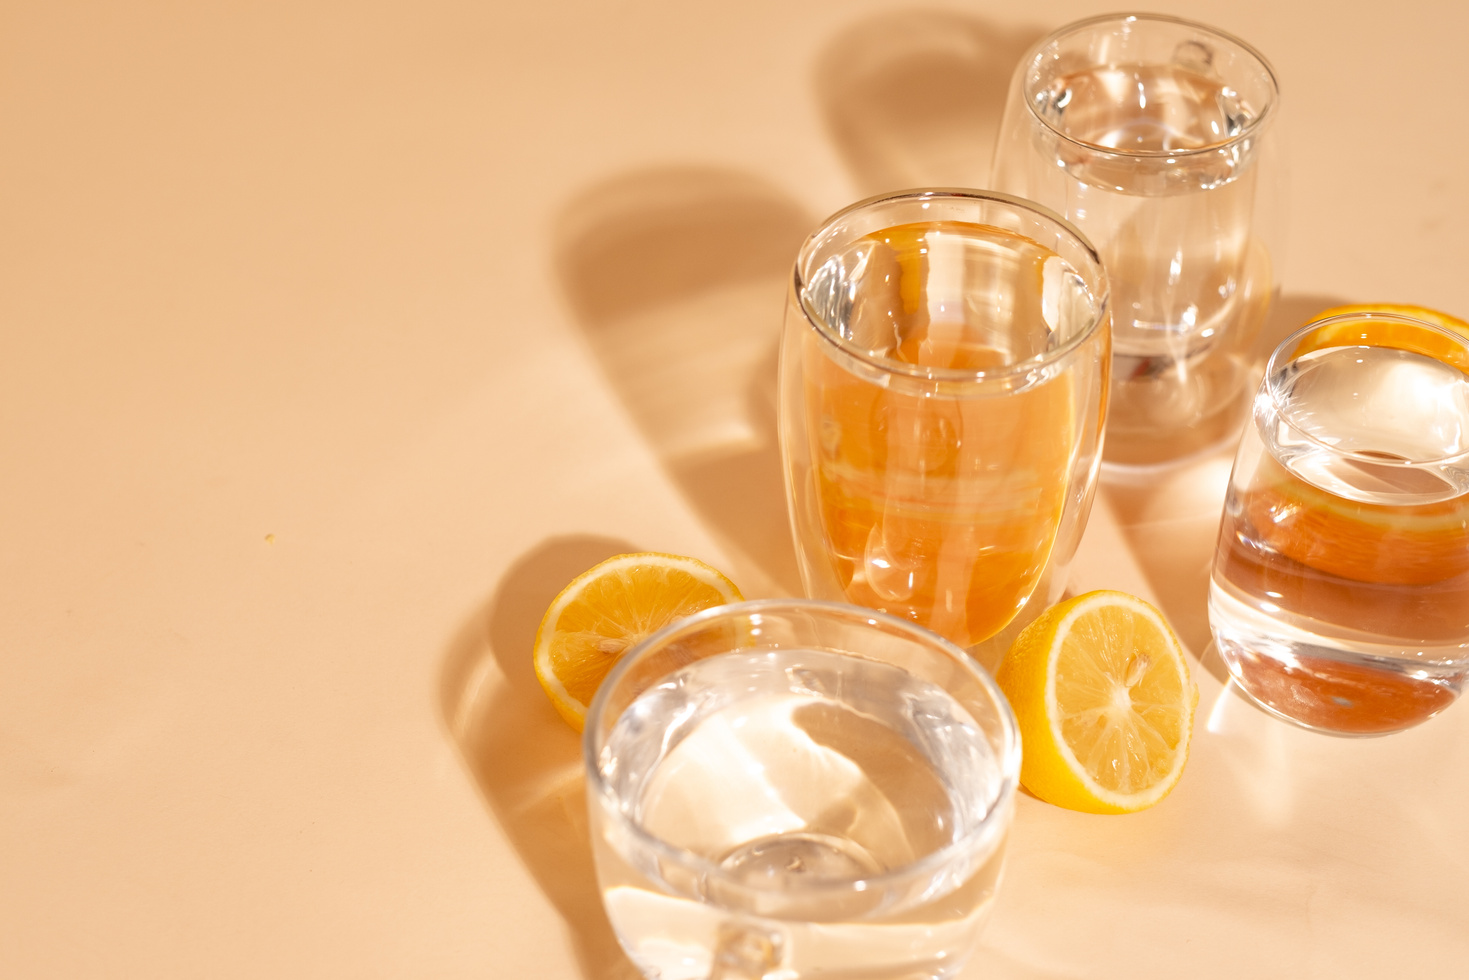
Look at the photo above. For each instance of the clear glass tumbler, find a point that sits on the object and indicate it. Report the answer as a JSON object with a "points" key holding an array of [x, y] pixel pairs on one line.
{"points": [[1340, 594], [792, 788], [1155, 137], [943, 385]]}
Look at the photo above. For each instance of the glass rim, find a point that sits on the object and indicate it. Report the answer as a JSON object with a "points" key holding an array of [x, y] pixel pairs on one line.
{"points": [[1254, 126], [888, 366], [1286, 353], [1007, 755]]}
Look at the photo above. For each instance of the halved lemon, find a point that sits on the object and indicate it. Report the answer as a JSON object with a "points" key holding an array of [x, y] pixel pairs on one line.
{"points": [[1102, 692], [1400, 309], [1385, 333], [608, 609]]}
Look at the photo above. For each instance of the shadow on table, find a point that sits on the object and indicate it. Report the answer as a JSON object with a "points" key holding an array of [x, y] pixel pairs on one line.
{"points": [[1287, 315], [1170, 515], [914, 98], [677, 277], [525, 760]]}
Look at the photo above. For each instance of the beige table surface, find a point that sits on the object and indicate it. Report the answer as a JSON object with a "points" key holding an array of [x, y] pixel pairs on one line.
{"points": [[335, 337]]}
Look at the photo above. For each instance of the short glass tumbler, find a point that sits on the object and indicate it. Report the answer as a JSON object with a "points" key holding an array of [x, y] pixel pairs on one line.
{"points": [[793, 788], [943, 380], [1340, 593], [1156, 137]]}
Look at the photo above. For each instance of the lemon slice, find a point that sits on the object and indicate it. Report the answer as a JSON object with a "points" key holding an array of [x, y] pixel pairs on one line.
{"points": [[1384, 544], [608, 609], [1105, 703]]}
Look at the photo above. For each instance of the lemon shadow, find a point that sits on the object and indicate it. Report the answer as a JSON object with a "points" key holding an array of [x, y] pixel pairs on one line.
{"points": [[526, 762], [677, 277], [914, 98], [1169, 515]]}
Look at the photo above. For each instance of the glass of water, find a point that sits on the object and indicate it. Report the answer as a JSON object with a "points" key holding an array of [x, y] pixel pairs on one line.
{"points": [[798, 788], [1156, 137], [1340, 593]]}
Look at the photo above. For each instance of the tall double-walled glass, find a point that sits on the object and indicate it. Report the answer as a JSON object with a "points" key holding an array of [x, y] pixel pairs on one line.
{"points": [[1157, 137], [943, 386]]}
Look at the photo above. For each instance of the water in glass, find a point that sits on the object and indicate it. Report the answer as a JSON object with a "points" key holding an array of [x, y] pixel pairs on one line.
{"points": [[1340, 593], [798, 779], [1152, 135]]}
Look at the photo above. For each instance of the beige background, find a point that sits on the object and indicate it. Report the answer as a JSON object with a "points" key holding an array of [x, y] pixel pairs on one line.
{"points": [[335, 337]]}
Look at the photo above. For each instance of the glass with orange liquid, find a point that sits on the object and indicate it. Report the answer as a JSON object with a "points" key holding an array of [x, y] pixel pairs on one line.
{"points": [[1340, 594], [943, 385]]}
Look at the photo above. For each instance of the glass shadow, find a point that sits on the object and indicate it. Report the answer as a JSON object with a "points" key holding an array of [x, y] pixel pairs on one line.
{"points": [[677, 277], [913, 98], [527, 762], [1169, 515]]}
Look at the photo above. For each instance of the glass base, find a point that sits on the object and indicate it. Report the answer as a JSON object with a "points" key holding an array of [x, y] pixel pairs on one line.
{"points": [[1148, 443], [1324, 687]]}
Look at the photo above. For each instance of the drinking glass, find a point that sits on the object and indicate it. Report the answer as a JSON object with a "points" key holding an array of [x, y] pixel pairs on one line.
{"points": [[1155, 136], [1340, 593], [943, 381], [793, 788]]}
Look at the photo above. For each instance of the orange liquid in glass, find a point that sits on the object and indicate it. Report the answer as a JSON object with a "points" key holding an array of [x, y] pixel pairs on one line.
{"points": [[939, 506]]}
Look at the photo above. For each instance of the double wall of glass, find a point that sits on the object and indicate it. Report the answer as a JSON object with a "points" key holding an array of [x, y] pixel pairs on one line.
{"points": [[943, 386], [1157, 138]]}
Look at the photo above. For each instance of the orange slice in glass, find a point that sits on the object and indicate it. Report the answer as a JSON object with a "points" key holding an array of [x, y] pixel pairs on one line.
{"points": [[1394, 545]]}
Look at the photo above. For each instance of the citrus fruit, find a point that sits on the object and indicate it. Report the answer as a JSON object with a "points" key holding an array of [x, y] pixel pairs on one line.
{"points": [[608, 609], [1385, 333], [1105, 703], [1386, 544], [1400, 309]]}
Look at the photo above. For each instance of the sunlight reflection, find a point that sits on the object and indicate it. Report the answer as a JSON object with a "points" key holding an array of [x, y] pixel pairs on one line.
{"points": [[1255, 747]]}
